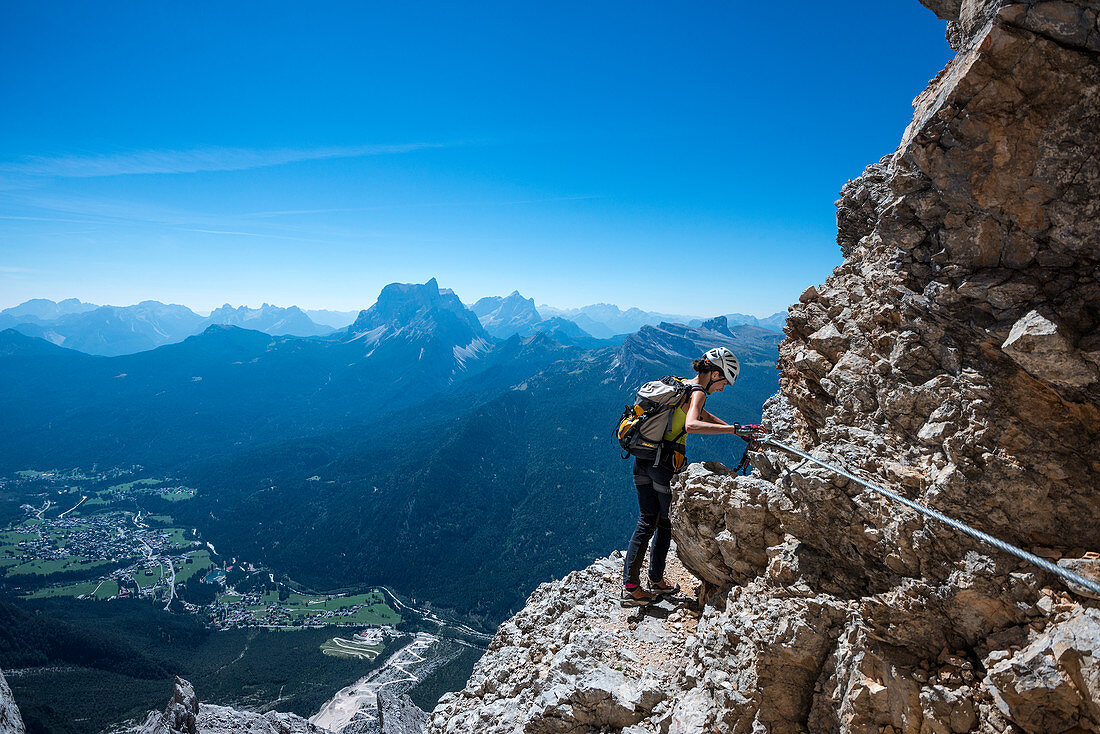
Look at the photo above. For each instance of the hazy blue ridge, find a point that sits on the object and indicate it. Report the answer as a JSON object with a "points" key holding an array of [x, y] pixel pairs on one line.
{"points": [[43, 309], [505, 316], [774, 322], [335, 319], [274, 320], [118, 330]]}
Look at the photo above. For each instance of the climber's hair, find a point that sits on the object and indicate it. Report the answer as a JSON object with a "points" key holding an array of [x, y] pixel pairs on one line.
{"points": [[703, 366]]}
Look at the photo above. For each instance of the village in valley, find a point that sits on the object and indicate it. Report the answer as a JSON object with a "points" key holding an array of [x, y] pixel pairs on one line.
{"points": [[92, 535]]}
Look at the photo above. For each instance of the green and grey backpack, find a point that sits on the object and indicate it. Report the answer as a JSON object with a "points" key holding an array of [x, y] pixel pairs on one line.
{"points": [[643, 426]]}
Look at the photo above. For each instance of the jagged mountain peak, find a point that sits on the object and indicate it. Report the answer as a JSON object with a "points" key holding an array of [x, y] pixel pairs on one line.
{"points": [[421, 325], [719, 324], [504, 316], [275, 320], [404, 305]]}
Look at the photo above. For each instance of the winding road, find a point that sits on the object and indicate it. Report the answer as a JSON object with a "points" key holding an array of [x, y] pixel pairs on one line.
{"points": [[362, 696]]}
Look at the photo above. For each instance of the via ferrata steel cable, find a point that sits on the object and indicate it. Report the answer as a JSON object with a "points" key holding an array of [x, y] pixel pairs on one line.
{"points": [[1042, 563]]}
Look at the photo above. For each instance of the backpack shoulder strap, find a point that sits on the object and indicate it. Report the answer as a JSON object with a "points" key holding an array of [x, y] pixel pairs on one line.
{"points": [[691, 390]]}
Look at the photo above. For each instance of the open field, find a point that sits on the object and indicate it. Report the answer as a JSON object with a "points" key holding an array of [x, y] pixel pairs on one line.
{"points": [[136, 483], [107, 589], [45, 568], [148, 577], [200, 563], [177, 495], [84, 587]]}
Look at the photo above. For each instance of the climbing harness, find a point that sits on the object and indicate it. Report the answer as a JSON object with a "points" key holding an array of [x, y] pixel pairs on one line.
{"points": [[744, 468], [1066, 575]]}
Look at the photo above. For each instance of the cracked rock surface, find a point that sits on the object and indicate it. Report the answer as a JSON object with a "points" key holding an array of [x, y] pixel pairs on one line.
{"points": [[573, 660], [954, 358]]}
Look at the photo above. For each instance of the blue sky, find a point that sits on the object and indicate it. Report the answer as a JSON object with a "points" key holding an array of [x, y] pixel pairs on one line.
{"points": [[680, 157]]}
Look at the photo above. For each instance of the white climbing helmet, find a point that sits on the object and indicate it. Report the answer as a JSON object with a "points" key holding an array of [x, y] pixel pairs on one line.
{"points": [[723, 359]]}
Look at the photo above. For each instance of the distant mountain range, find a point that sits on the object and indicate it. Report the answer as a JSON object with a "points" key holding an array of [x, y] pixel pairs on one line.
{"points": [[116, 330], [505, 316], [268, 319], [605, 320], [335, 319], [432, 438], [43, 309]]}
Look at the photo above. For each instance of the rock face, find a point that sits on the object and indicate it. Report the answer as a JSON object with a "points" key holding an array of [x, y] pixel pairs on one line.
{"points": [[397, 714], [954, 357], [185, 715], [574, 661], [10, 720]]}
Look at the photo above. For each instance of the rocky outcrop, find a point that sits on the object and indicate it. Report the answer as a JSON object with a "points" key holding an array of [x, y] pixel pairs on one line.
{"points": [[397, 714], [954, 357], [574, 661], [10, 720], [185, 715]]}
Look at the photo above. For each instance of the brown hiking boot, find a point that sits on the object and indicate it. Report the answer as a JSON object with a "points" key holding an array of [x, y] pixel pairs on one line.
{"points": [[636, 597], [663, 587]]}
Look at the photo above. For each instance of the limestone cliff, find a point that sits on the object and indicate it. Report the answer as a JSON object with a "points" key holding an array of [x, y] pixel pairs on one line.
{"points": [[10, 720], [953, 357]]}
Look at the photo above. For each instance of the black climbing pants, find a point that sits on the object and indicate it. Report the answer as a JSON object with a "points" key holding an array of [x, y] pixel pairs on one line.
{"points": [[654, 499]]}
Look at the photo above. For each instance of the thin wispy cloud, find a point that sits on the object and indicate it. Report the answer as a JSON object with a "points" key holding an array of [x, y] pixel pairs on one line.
{"points": [[420, 205], [190, 161]]}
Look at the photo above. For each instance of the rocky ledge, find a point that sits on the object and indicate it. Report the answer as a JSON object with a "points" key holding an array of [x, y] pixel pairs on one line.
{"points": [[954, 358], [575, 661]]}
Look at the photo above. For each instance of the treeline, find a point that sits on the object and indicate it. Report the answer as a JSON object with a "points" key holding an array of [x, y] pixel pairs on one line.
{"points": [[196, 592], [96, 684], [32, 640], [35, 580]]}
